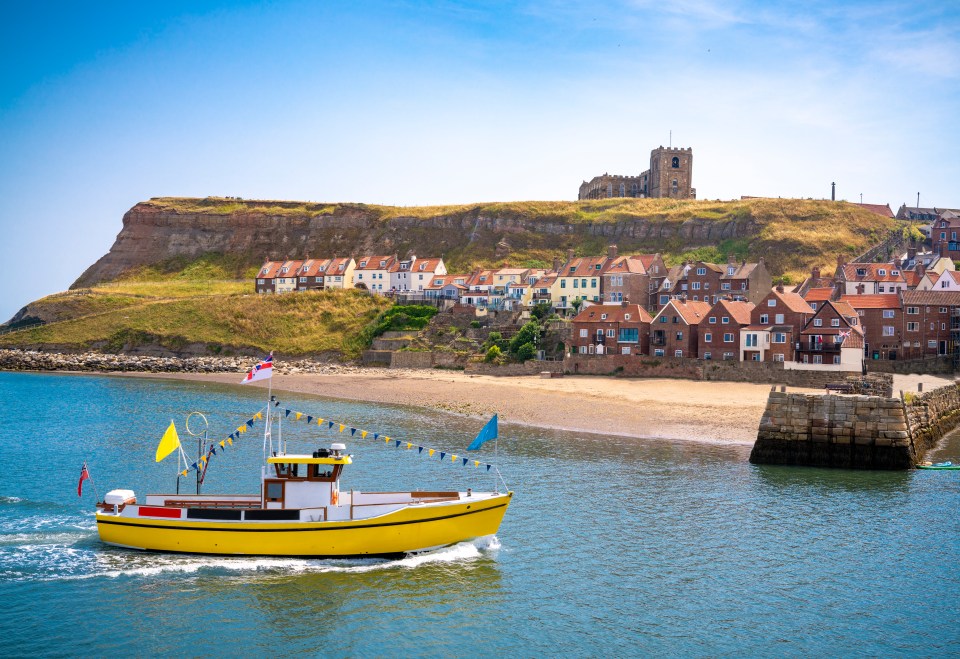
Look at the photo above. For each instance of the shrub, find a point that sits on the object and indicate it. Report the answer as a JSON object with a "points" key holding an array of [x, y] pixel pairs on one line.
{"points": [[475, 324], [525, 352], [493, 354]]}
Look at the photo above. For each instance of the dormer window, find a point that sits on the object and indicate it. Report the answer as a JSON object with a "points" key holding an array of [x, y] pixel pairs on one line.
{"points": [[895, 273], [423, 266], [363, 264], [701, 271], [626, 316], [264, 271], [603, 316], [284, 269], [383, 263], [882, 273], [321, 268], [731, 270], [861, 272]]}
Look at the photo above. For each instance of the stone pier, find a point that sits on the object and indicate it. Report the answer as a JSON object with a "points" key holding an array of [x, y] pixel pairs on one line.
{"points": [[856, 432]]}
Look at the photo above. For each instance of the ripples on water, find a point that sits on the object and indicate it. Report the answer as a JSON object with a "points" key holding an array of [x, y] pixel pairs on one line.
{"points": [[612, 546]]}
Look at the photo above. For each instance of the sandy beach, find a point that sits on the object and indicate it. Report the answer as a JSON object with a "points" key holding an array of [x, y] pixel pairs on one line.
{"points": [[726, 412], [672, 409]]}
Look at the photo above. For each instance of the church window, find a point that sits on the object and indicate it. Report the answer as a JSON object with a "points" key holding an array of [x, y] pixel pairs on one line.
{"points": [[676, 163], [674, 185]]}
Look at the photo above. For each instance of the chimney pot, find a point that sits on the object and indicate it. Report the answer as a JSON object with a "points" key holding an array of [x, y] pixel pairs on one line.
{"points": [[612, 252], [569, 255]]}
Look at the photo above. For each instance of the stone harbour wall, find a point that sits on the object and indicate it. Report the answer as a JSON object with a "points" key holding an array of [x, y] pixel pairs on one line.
{"points": [[858, 432]]}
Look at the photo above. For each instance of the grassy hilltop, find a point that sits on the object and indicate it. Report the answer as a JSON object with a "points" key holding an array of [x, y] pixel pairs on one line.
{"points": [[205, 305]]}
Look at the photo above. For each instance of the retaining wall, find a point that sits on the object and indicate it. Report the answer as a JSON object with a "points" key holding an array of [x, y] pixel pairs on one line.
{"points": [[859, 432]]}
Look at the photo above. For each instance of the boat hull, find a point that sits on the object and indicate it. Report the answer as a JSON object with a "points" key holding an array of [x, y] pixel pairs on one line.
{"points": [[411, 529]]}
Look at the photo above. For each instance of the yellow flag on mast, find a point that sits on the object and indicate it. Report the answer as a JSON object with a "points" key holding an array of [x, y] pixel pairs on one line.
{"points": [[169, 443]]}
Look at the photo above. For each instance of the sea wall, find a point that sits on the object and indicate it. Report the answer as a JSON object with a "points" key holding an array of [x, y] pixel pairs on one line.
{"points": [[858, 432], [698, 369]]}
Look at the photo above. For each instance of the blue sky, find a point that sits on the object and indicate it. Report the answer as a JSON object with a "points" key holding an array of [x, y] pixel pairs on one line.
{"points": [[405, 103]]}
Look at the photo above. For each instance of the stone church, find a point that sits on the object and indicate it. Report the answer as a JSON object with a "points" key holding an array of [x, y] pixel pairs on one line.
{"points": [[670, 175]]}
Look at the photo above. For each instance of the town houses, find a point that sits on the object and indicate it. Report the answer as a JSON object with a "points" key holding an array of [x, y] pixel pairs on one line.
{"points": [[639, 306]]}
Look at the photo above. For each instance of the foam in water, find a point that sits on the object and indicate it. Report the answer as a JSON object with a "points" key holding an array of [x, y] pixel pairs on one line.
{"points": [[83, 564]]}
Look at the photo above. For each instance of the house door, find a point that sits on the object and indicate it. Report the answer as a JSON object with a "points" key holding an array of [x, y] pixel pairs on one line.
{"points": [[943, 347]]}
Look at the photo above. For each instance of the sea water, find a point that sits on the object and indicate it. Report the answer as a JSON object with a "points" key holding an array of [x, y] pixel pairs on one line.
{"points": [[611, 546]]}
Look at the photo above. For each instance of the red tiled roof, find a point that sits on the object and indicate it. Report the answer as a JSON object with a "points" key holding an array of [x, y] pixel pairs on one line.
{"points": [[933, 298], [881, 301], [334, 267], [818, 294], [426, 265], [739, 311], [616, 313], [629, 264], [269, 269], [691, 311], [373, 262], [793, 302], [585, 266], [879, 209], [872, 272]]}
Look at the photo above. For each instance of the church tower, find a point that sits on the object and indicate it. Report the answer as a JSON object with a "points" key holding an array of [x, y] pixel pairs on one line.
{"points": [[671, 173]]}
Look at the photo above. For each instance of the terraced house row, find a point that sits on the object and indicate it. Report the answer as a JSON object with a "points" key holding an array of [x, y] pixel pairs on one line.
{"points": [[642, 279]]}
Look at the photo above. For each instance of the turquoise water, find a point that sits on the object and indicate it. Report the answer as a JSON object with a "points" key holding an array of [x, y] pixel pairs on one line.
{"points": [[611, 546]]}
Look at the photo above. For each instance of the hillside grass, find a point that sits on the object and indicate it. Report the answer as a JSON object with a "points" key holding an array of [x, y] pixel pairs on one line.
{"points": [[293, 324]]}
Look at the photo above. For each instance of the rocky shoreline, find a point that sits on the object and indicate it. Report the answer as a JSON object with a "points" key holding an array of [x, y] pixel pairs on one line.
{"points": [[30, 360]]}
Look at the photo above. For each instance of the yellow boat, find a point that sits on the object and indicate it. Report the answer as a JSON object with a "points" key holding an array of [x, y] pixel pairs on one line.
{"points": [[300, 511]]}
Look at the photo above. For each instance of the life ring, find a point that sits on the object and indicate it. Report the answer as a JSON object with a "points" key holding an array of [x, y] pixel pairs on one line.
{"points": [[333, 498]]}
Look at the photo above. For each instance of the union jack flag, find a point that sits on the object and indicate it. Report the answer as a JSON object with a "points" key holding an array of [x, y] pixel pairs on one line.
{"points": [[844, 334], [261, 371]]}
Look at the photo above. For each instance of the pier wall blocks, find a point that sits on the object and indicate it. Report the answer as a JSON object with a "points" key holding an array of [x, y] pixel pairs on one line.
{"points": [[857, 432]]}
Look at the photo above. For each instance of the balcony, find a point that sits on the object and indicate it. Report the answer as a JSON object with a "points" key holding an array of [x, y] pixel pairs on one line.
{"points": [[658, 339], [821, 347]]}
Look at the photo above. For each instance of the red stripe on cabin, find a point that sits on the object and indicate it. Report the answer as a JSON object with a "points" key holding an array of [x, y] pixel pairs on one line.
{"points": [[152, 511]]}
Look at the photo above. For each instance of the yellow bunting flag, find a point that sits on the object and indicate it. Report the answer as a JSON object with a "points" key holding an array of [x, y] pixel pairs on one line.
{"points": [[476, 463], [431, 452], [169, 443], [299, 414], [223, 443], [453, 458], [319, 422], [183, 473], [342, 427], [258, 415], [229, 441], [363, 434], [203, 458], [409, 445], [242, 429]]}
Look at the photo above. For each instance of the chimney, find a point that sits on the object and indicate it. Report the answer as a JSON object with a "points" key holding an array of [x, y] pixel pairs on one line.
{"points": [[815, 273], [623, 304], [556, 264], [731, 259], [569, 255], [911, 252], [840, 262], [861, 289], [921, 269], [943, 248], [780, 287], [612, 252]]}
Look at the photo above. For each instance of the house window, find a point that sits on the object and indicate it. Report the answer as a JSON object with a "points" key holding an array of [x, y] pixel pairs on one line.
{"points": [[751, 340], [695, 286], [712, 320], [678, 353], [708, 337], [818, 322], [777, 357], [583, 350], [834, 322], [779, 319], [764, 319], [931, 344], [913, 327], [706, 355], [259, 281], [563, 283], [610, 333], [772, 302], [658, 352], [882, 273], [725, 320], [603, 316], [701, 271], [317, 280], [728, 356], [679, 336], [818, 359], [725, 286], [628, 335], [888, 330], [888, 313], [583, 333], [943, 310], [663, 319], [836, 359], [728, 337], [913, 310], [779, 337]]}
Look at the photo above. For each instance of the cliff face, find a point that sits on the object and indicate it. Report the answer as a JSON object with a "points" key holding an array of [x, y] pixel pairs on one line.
{"points": [[153, 232], [790, 234]]}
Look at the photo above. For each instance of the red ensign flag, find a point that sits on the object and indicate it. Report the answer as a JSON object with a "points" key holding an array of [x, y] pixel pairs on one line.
{"points": [[84, 475]]}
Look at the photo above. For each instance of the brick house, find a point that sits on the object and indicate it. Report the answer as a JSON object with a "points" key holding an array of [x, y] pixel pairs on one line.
{"points": [[881, 319], [928, 319], [870, 278], [674, 332], [719, 335], [747, 281], [613, 329], [310, 275], [775, 327], [833, 338], [266, 278], [338, 273]]}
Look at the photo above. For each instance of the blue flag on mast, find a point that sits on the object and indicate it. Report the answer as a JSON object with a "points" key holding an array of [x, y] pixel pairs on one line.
{"points": [[488, 432]]}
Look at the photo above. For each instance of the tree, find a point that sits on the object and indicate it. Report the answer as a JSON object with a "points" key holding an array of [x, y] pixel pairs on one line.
{"points": [[525, 352], [493, 354], [540, 311], [527, 334]]}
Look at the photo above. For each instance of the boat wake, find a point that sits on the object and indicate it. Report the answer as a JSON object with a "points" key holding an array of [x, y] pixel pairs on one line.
{"points": [[78, 562]]}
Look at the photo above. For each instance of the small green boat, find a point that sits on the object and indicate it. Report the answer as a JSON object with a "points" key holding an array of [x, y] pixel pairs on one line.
{"points": [[938, 465]]}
